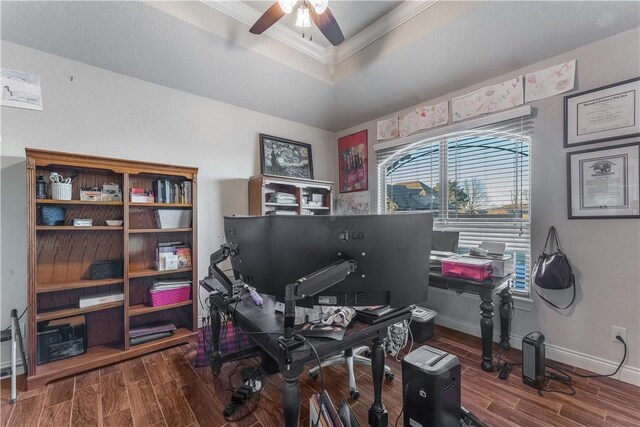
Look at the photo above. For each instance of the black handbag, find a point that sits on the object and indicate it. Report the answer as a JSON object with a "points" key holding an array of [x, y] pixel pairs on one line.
{"points": [[553, 271]]}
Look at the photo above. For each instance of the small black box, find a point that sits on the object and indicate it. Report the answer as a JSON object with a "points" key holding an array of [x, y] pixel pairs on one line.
{"points": [[107, 270], [65, 338]]}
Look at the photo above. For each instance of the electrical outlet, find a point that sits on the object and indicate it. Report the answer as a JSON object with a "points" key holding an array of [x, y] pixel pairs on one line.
{"points": [[618, 330]]}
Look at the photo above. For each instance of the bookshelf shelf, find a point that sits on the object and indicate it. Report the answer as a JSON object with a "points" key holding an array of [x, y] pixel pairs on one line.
{"points": [[76, 202], [302, 189], [150, 272], [68, 312], [76, 284], [60, 258], [74, 228], [293, 205], [161, 205], [159, 230], [138, 309]]}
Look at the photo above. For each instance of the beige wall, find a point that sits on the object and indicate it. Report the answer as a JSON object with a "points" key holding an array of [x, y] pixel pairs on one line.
{"points": [[605, 253], [107, 114]]}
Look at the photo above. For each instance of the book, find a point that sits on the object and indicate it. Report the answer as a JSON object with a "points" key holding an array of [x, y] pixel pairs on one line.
{"points": [[97, 299], [153, 328], [151, 337], [184, 256], [158, 190]]}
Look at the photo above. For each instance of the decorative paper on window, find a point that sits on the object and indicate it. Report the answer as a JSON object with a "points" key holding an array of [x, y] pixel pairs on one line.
{"points": [[388, 128], [489, 99], [353, 203], [552, 81], [424, 117], [21, 90]]}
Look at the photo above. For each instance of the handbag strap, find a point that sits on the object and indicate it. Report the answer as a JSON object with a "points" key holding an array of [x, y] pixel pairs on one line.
{"points": [[552, 234], [573, 298]]}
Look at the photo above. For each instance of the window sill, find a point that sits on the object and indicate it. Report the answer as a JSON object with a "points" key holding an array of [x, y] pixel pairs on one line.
{"points": [[522, 302]]}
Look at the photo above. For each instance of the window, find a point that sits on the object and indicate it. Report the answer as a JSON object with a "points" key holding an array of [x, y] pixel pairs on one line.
{"points": [[474, 181]]}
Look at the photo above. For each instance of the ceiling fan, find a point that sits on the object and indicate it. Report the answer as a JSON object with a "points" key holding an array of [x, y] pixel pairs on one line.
{"points": [[320, 14]]}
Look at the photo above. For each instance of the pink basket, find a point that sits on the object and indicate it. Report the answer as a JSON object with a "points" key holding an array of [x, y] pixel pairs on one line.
{"points": [[170, 296], [472, 269]]}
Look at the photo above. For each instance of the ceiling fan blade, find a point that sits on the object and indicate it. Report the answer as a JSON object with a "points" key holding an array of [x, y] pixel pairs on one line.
{"points": [[328, 26], [270, 17]]}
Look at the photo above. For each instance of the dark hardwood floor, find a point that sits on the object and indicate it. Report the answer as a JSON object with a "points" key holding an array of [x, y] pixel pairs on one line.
{"points": [[164, 389]]}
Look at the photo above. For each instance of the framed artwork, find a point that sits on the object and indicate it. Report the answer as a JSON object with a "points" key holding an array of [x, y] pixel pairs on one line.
{"points": [[602, 114], [604, 182], [353, 162], [283, 157]]}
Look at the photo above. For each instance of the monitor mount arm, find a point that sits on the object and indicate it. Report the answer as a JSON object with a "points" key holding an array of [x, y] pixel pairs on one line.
{"points": [[309, 286], [226, 250]]}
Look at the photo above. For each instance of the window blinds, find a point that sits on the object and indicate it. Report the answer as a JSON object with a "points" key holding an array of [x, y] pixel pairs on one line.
{"points": [[474, 181]]}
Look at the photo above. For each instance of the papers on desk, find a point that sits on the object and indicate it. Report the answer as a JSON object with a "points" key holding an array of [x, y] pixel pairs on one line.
{"points": [[322, 413], [438, 256]]}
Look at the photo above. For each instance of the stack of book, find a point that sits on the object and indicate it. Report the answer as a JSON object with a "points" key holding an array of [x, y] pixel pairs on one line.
{"points": [[172, 255], [172, 192], [151, 332]]}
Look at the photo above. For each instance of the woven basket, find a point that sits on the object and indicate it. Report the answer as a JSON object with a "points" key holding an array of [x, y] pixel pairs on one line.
{"points": [[169, 296]]}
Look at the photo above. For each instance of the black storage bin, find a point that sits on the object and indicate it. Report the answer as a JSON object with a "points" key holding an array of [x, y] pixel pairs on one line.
{"points": [[61, 340], [107, 270], [422, 322]]}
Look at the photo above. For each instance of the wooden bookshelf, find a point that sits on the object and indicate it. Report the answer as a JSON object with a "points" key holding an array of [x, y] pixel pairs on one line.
{"points": [[302, 189], [59, 260]]}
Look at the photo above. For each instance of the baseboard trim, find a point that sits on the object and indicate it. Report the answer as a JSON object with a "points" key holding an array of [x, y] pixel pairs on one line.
{"points": [[628, 374], [7, 365]]}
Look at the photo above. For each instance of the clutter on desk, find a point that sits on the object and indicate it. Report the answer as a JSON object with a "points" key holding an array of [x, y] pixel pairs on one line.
{"points": [[467, 268], [319, 330], [173, 218], [60, 339], [172, 256], [150, 332], [165, 292]]}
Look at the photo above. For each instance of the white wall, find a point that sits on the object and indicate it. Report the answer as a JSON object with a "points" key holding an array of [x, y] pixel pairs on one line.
{"points": [[107, 114], [605, 253]]}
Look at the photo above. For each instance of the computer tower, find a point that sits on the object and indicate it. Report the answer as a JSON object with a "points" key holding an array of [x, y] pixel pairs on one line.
{"points": [[431, 388], [533, 360]]}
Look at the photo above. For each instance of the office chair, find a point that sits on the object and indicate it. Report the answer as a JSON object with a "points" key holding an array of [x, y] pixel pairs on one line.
{"points": [[351, 357]]}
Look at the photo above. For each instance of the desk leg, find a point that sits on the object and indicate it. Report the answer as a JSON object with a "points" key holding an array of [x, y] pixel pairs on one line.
{"points": [[215, 357], [506, 314], [486, 329], [291, 398], [378, 415]]}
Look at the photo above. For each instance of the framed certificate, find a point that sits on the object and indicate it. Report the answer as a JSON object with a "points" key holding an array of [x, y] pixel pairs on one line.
{"points": [[602, 114], [604, 182]]}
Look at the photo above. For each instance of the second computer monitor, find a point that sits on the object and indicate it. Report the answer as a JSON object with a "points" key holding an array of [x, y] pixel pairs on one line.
{"points": [[445, 241]]}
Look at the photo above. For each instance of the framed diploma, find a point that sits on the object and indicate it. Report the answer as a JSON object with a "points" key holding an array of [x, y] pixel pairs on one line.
{"points": [[602, 114], [604, 182]]}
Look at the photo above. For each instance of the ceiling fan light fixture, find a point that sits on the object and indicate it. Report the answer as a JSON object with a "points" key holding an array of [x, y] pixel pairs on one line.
{"points": [[287, 5], [319, 5], [303, 20]]}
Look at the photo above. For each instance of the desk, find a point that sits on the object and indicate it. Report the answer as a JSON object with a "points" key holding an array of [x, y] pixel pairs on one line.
{"points": [[486, 290], [252, 318]]}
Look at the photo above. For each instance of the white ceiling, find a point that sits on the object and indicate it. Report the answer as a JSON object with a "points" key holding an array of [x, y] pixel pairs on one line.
{"points": [[352, 16], [192, 47]]}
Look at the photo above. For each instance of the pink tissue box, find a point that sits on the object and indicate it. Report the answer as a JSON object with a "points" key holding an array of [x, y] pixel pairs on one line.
{"points": [[169, 296], [467, 268]]}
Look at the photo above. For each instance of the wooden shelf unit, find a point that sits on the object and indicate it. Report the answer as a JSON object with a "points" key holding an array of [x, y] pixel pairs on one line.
{"points": [[59, 259], [302, 189]]}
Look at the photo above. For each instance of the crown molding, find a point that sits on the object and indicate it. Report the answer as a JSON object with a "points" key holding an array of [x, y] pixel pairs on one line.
{"points": [[331, 55], [387, 23], [248, 15]]}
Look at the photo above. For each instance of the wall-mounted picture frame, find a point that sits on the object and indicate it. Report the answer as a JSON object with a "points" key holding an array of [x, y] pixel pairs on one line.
{"points": [[602, 114], [353, 161], [284, 157], [604, 182]]}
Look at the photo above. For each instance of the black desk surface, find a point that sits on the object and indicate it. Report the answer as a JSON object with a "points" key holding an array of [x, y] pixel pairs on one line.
{"points": [[253, 318], [437, 280]]}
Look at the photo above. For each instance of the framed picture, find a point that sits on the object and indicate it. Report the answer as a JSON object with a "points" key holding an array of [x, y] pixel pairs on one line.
{"points": [[353, 162], [283, 157], [604, 182], [602, 114]]}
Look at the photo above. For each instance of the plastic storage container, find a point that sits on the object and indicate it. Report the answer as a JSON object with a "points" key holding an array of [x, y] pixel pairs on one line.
{"points": [[467, 268], [422, 321]]}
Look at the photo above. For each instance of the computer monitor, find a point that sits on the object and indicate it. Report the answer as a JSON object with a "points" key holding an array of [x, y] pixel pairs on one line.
{"points": [[391, 251], [445, 241]]}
